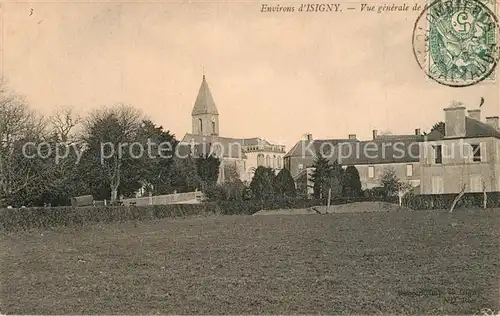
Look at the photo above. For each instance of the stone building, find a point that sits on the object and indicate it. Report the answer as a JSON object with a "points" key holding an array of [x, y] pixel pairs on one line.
{"points": [[467, 155], [242, 154], [371, 157]]}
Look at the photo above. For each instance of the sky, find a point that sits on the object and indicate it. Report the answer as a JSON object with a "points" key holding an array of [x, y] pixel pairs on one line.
{"points": [[272, 75]]}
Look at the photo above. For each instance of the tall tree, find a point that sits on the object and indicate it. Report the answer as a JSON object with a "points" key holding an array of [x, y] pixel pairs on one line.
{"points": [[67, 182], [390, 182], [321, 176], [336, 179], [158, 162], [352, 182], [109, 132], [18, 126], [185, 176], [207, 166], [262, 184], [284, 186], [232, 188], [63, 122]]}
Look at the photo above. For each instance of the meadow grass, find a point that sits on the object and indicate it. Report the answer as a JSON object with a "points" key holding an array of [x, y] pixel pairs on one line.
{"points": [[426, 262]]}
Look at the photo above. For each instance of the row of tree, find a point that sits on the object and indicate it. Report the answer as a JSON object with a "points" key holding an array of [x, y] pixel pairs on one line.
{"points": [[51, 159], [265, 186], [329, 178], [72, 161]]}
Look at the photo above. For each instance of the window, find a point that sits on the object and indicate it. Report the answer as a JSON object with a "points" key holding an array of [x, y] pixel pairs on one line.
{"points": [[437, 185], [371, 172], [409, 170], [301, 166], [268, 161], [438, 154], [279, 162], [274, 161], [200, 122], [476, 152], [213, 128]]}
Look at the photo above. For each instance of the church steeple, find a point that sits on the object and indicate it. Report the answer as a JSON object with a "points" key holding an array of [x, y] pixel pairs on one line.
{"points": [[205, 116], [204, 103]]}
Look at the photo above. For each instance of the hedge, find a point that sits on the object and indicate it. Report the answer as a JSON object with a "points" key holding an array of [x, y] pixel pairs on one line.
{"points": [[41, 218], [15, 219], [444, 201], [250, 207]]}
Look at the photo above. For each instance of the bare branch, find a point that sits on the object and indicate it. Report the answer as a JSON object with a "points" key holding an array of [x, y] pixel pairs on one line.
{"points": [[63, 121]]}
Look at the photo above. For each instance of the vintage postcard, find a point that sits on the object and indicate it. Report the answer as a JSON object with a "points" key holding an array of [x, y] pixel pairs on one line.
{"points": [[142, 143]]}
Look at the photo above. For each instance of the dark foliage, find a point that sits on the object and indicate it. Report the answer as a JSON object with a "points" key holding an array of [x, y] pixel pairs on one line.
{"points": [[444, 201], [16, 219], [262, 184], [185, 176], [320, 176], [440, 127], [207, 167], [43, 218], [327, 176], [284, 186], [352, 183]]}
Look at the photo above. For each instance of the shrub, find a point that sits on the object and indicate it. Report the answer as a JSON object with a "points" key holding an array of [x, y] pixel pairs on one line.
{"points": [[444, 201], [15, 219], [41, 218], [284, 186]]}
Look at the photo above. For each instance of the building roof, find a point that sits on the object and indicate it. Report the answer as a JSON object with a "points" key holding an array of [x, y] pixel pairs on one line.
{"points": [[383, 150], [399, 137], [301, 148], [475, 128], [434, 135], [386, 151], [255, 141], [204, 103], [232, 146]]}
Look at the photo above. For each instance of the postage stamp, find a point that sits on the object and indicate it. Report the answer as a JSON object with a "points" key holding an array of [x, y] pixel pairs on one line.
{"points": [[456, 42]]}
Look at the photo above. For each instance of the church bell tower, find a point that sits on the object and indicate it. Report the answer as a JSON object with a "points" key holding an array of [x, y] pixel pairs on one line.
{"points": [[205, 117]]}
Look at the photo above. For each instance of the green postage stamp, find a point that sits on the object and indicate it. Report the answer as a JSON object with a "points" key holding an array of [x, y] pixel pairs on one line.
{"points": [[456, 42]]}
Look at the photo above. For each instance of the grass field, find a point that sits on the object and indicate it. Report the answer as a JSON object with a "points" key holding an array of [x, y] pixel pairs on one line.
{"points": [[366, 263]]}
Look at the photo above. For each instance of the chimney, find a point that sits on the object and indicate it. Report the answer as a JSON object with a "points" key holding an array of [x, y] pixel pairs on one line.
{"points": [[455, 121], [307, 137], [417, 131], [374, 134], [493, 122], [475, 114], [352, 136]]}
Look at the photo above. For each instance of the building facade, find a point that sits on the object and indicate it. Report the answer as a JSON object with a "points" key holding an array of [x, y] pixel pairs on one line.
{"points": [[467, 156], [372, 158], [242, 154]]}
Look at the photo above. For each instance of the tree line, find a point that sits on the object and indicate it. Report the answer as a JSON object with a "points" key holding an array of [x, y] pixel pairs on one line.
{"points": [[70, 162], [74, 162], [329, 178]]}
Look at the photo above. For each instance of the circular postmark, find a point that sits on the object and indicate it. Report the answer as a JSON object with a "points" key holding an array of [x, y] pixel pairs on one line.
{"points": [[456, 42]]}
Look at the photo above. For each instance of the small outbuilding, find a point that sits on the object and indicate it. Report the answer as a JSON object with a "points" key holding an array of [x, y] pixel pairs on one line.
{"points": [[84, 200]]}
